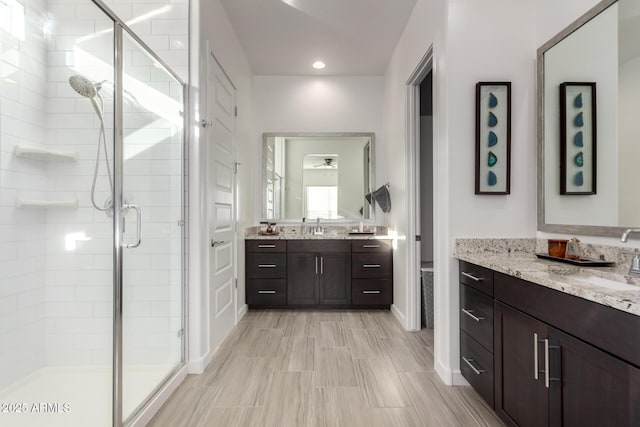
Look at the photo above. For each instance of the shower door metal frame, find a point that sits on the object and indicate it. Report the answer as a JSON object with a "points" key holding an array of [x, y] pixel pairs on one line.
{"points": [[120, 28]]}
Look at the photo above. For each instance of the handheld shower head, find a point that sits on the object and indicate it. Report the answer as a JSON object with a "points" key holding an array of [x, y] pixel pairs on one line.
{"points": [[83, 86]]}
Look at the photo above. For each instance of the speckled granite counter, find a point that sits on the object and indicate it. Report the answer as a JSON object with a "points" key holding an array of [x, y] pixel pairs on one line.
{"points": [[515, 257], [289, 232]]}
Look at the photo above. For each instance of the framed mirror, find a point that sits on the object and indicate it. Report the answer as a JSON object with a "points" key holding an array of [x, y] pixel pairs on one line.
{"points": [[588, 130], [317, 175]]}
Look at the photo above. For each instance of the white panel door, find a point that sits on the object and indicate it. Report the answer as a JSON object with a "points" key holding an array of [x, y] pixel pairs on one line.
{"points": [[220, 137]]}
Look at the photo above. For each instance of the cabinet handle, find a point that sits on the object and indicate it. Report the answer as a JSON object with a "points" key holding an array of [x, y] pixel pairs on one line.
{"points": [[266, 266], [266, 246], [546, 363], [371, 292], [470, 314], [370, 246], [476, 370], [371, 266], [535, 356], [321, 265], [472, 277], [266, 292], [316, 265]]}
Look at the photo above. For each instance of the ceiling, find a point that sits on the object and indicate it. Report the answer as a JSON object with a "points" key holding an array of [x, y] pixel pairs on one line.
{"points": [[353, 37]]}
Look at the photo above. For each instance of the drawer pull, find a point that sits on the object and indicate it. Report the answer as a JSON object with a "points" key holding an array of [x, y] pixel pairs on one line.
{"points": [[370, 265], [371, 292], [371, 246], [266, 246], [473, 316], [266, 292], [476, 370], [472, 277], [266, 266]]}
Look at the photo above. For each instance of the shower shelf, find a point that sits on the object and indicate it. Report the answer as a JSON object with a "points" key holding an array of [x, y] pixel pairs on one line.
{"points": [[34, 203], [45, 154]]}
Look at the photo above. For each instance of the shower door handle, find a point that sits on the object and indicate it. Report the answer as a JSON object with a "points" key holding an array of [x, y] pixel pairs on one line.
{"points": [[138, 226]]}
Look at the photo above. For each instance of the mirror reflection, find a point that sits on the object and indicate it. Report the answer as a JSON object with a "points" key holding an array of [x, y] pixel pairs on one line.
{"points": [[317, 176], [603, 52]]}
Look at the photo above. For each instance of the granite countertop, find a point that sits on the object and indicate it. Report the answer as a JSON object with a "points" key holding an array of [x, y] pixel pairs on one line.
{"points": [[289, 232], [567, 278], [326, 236]]}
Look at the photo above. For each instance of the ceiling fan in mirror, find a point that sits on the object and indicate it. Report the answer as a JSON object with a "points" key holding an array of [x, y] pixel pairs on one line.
{"points": [[328, 163]]}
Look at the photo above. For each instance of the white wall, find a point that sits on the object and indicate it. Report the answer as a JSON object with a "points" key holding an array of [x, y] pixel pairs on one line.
{"points": [[210, 23], [477, 44], [318, 104]]}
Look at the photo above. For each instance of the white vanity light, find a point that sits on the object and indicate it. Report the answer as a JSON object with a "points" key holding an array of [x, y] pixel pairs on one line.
{"points": [[318, 65]]}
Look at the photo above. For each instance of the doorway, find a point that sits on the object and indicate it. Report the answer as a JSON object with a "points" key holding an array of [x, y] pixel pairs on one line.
{"points": [[420, 186], [425, 208]]}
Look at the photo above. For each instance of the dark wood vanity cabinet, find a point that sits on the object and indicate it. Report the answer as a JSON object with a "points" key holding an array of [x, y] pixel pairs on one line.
{"points": [[319, 273], [372, 272], [476, 328], [266, 272], [561, 360]]}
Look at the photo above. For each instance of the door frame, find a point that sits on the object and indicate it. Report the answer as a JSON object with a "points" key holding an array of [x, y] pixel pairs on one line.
{"points": [[425, 65]]}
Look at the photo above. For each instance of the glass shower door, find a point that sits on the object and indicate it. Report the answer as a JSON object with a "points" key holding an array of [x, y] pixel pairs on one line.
{"points": [[153, 225]]}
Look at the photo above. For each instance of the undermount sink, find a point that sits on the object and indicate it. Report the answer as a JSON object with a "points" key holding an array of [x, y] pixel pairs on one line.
{"points": [[604, 283]]}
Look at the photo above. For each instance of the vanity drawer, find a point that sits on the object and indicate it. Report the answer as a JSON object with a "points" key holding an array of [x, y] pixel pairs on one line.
{"points": [[476, 316], [267, 291], [371, 292], [371, 265], [266, 265], [265, 245], [371, 245], [477, 277], [476, 365], [319, 245]]}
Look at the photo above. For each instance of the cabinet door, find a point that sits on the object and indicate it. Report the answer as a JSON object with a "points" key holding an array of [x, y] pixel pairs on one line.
{"points": [[335, 278], [521, 399], [595, 388], [302, 278]]}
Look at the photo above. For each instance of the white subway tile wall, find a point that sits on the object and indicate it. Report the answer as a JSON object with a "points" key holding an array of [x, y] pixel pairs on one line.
{"points": [[56, 263]]}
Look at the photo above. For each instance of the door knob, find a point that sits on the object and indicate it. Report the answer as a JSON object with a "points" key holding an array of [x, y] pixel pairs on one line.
{"points": [[215, 243]]}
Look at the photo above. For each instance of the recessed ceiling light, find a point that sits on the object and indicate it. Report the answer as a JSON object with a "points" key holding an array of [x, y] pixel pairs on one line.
{"points": [[319, 65]]}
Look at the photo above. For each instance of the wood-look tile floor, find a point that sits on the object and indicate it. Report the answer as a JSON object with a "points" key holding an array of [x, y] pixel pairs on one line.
{"points": [[319, 368]]}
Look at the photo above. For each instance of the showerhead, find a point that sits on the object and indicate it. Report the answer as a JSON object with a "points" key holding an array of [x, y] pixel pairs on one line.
{"points": [[88, 89], [83, 86]]}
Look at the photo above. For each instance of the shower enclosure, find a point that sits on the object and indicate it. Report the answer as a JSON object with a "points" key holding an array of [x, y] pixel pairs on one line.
{"points": [[92, 232]]}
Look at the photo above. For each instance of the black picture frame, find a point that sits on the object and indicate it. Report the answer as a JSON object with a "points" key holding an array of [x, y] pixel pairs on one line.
{"points": [[493, 138], [578, 138]]}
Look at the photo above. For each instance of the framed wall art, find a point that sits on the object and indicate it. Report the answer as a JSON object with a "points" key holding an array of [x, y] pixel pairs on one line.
{"points": [[578, 138], [493, 137]]}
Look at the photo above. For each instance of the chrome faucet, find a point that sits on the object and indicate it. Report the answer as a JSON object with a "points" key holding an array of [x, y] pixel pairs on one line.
{"points": [[318, 229], [635, 261], [627, 233]]}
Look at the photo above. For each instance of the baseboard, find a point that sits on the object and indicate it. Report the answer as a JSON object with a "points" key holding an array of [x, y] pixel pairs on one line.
{"points": [[152, 408], [401, 317], [197, 366], [243, 310], [458, 379], [450, 377]]}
